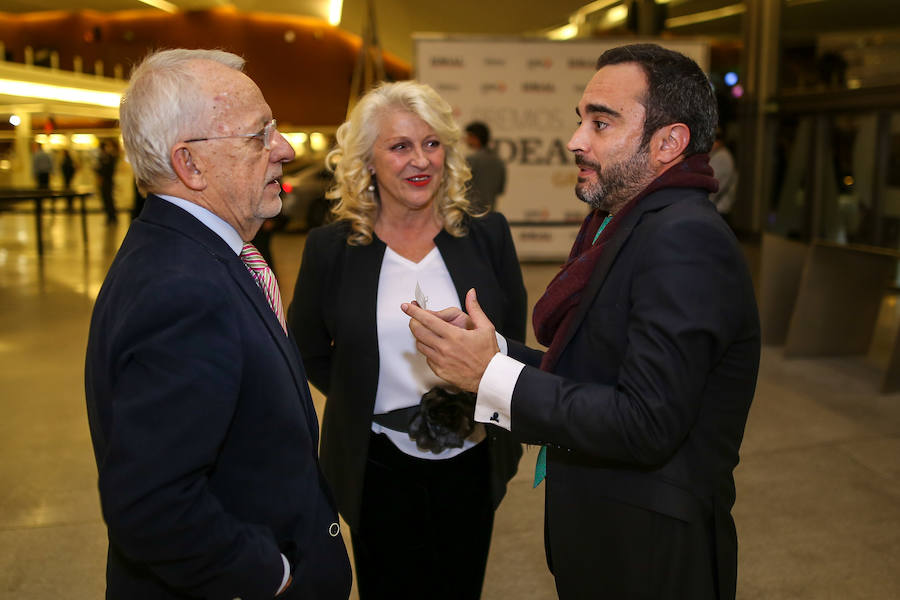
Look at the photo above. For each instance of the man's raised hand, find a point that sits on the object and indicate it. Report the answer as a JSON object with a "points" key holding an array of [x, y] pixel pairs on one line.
{"points": [[457, 347]]}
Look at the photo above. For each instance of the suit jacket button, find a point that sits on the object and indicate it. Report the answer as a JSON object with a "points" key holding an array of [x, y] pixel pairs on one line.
{"points": [[334, 530]]}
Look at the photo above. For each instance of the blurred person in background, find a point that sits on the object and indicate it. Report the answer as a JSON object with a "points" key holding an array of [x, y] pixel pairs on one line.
{"points": [[67, 167], [488, 170], [415, 478], [42, 167], [107, 160], [722, 162]]}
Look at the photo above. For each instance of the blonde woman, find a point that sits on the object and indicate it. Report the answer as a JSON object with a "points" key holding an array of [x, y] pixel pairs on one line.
{"points": [[414, 477]]}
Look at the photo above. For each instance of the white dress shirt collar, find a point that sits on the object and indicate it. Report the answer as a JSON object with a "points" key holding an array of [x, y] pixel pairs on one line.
{"points": [[211, 220]]}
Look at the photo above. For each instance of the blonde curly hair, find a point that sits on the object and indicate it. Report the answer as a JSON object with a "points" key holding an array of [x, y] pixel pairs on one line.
{"points": [[352, 156]]}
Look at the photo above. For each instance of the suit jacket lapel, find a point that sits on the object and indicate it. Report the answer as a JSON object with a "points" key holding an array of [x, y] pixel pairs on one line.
{"points": [[469, 270], [357, 300], [169, 215], [651, 203], [286, 345]]}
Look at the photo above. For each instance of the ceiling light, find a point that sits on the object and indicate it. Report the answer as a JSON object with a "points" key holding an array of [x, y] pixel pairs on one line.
{"points": [[162, 5], [566, 32], [706, 16], [318, 142], [595, 6], [45, 91], [615, 15], [84, 139], [334, 12]]}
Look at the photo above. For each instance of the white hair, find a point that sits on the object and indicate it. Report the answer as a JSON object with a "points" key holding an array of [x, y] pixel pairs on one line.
{"points": [[354, 151], [160, 105]]}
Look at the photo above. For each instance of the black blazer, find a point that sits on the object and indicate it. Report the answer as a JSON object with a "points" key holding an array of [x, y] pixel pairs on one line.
{"points": [[333, 317], [203, 427], [648, 400]]}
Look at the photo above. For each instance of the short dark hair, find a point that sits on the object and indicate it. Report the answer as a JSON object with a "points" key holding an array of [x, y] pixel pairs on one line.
{"points": [[678, 91], [480, 131]]}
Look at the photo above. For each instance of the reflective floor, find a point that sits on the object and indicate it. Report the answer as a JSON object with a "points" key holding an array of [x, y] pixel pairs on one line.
{"points": [[818, 510]]}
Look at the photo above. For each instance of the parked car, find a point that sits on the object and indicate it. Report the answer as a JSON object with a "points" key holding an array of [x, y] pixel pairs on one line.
{"points": [[304, 204]]}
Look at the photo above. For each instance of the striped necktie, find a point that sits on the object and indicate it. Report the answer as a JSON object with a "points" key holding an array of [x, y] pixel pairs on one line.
{"points": [[265, 279]]}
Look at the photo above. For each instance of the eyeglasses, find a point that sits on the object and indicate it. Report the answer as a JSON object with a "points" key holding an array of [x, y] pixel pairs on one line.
{"points": [[265, 134]]}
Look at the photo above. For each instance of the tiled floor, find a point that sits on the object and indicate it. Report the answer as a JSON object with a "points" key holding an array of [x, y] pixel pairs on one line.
{"points": [[818, 508]]}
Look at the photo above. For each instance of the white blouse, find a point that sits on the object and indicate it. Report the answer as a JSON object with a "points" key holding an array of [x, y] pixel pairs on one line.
{"points": [[403, 374]]}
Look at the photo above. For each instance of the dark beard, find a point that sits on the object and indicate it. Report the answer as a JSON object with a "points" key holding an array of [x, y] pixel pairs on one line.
{"points": [[616, 184]]}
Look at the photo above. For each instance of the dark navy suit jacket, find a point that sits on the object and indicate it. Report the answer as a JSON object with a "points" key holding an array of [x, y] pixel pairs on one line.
{"points": [[203, 427], [647, 403]]}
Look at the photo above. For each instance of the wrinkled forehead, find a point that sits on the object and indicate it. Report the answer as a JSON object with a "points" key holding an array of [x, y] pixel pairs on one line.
{"points": [[229, 93]]}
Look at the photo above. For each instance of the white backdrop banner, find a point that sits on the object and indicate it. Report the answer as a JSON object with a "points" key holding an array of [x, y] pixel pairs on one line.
{"points": [[526, 91]]}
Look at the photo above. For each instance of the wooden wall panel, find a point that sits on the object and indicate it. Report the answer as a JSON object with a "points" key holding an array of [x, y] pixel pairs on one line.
{"points": [[303, 65]]}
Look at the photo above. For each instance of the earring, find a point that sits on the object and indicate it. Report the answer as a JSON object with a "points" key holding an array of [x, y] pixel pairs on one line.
{"points": [[371, 187]]}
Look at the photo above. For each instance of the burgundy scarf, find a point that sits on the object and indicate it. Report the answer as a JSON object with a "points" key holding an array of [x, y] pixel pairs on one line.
{"points": [[555, 310]]}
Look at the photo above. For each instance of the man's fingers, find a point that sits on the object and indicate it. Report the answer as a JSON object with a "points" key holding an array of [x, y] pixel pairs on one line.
{"points": [[453, 353], [423, 333], [416, 312], [455, 317], [436, 362], [427, 319], [427, 351], [475, 313], [449, 314]]}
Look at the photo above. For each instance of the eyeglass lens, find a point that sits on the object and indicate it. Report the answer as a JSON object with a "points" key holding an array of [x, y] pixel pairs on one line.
{"points": [[268, 133]]}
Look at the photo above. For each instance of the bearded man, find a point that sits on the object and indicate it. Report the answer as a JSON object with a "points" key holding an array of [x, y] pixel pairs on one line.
{"points": [[641, 398]]}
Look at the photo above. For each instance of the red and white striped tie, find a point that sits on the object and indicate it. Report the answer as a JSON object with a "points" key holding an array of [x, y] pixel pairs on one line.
{"points": [[265, 279]]}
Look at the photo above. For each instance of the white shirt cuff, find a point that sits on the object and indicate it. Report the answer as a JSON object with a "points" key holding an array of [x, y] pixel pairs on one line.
{"points": [[287, 574], [501, 342], [496, 390]]}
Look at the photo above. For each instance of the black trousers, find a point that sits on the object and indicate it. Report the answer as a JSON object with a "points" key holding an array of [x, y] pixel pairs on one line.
{"points": [[630, 553], [425, 525]]}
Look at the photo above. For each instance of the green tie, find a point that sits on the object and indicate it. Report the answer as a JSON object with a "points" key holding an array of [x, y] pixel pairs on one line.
{"points": [[540, 467]]}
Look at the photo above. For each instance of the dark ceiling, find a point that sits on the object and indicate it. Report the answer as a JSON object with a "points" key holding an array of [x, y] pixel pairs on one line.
{"points": [[398, 20]]}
